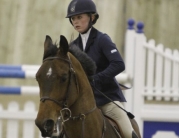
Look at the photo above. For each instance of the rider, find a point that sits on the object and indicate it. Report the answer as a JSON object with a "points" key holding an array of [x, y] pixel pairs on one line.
{"points": [[83, 15]]}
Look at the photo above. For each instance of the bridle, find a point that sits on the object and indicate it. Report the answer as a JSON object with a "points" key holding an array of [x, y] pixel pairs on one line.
{"points": [[63, 103]]}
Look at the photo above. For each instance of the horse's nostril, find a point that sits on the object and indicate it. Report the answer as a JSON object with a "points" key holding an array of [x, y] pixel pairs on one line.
{"points": [[48, 125]]}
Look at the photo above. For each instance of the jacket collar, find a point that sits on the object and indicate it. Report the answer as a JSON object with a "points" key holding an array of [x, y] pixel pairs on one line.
{"points": [[85, 37], [90, 40]]}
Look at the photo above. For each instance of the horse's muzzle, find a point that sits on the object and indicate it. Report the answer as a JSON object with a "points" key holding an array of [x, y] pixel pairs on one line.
{"points": [[46, 127]]}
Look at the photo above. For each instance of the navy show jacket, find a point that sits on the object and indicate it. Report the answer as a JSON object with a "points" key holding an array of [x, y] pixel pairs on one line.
{"points": [[109, 63]]}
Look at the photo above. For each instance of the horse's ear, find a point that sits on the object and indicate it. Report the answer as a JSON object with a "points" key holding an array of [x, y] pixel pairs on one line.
{"points": [[63, 45], [47, 43]]}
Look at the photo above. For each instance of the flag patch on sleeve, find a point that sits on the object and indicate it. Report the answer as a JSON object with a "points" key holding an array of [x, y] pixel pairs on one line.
{"points": [[113, 51]]}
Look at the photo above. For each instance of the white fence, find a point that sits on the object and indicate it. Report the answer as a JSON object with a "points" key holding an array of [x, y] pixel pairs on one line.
{"points": [[12, 127], [155, 72]]}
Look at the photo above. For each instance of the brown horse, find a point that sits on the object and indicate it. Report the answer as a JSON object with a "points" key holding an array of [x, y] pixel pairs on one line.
{"points": [[65, 93]]}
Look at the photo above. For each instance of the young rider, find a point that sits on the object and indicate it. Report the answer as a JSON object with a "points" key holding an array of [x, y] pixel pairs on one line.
{"points": [[83, 15]]}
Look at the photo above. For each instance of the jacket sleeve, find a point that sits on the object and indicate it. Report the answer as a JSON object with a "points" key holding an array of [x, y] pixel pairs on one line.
{"points": [[116, 63]]}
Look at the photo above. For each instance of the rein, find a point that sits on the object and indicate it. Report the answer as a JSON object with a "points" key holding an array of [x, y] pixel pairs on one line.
{"points": [[63, 103]]}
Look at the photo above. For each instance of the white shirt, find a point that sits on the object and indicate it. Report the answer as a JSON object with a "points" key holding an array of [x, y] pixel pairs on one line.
{"points": [[84, 38]]}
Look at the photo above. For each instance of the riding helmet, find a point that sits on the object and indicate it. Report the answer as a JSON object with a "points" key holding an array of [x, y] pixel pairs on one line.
{"points": [[82, 6]]}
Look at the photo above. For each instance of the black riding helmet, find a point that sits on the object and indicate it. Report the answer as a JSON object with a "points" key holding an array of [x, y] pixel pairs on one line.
{"points": [[82, 6]]}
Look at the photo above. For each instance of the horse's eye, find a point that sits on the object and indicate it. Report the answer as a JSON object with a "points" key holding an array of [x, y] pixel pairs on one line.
{"points": [[63, 79]]}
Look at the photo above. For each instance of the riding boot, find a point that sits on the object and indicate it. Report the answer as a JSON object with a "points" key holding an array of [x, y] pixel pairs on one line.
{"points": [[134, 135]]}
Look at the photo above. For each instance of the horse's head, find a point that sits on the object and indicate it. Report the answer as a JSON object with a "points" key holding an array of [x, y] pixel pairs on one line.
{"points": [[58, 84]]}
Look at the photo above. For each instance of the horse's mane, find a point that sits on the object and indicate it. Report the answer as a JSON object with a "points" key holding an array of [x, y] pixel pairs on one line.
{"points": [[87, 63]]}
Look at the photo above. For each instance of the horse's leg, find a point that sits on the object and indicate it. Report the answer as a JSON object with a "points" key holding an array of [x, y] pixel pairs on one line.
{"points": [[135, 127]]}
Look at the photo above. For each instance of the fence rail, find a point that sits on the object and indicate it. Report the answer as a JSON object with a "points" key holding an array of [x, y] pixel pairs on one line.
{"points": [[15, 71], [19, 67]]}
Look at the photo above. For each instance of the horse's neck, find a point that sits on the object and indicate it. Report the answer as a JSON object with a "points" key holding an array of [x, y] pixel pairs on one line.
{"points": [[85, 101], [85, 104]]}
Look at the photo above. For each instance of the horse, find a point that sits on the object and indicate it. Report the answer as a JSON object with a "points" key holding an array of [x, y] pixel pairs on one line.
{"points": [[66, 95]]}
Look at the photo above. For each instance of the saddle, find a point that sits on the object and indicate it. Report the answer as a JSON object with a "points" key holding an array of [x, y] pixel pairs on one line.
{"points": [[115, 126]]}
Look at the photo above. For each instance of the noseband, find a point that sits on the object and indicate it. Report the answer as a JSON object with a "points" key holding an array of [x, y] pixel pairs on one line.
{"points": [[63, 103]]}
